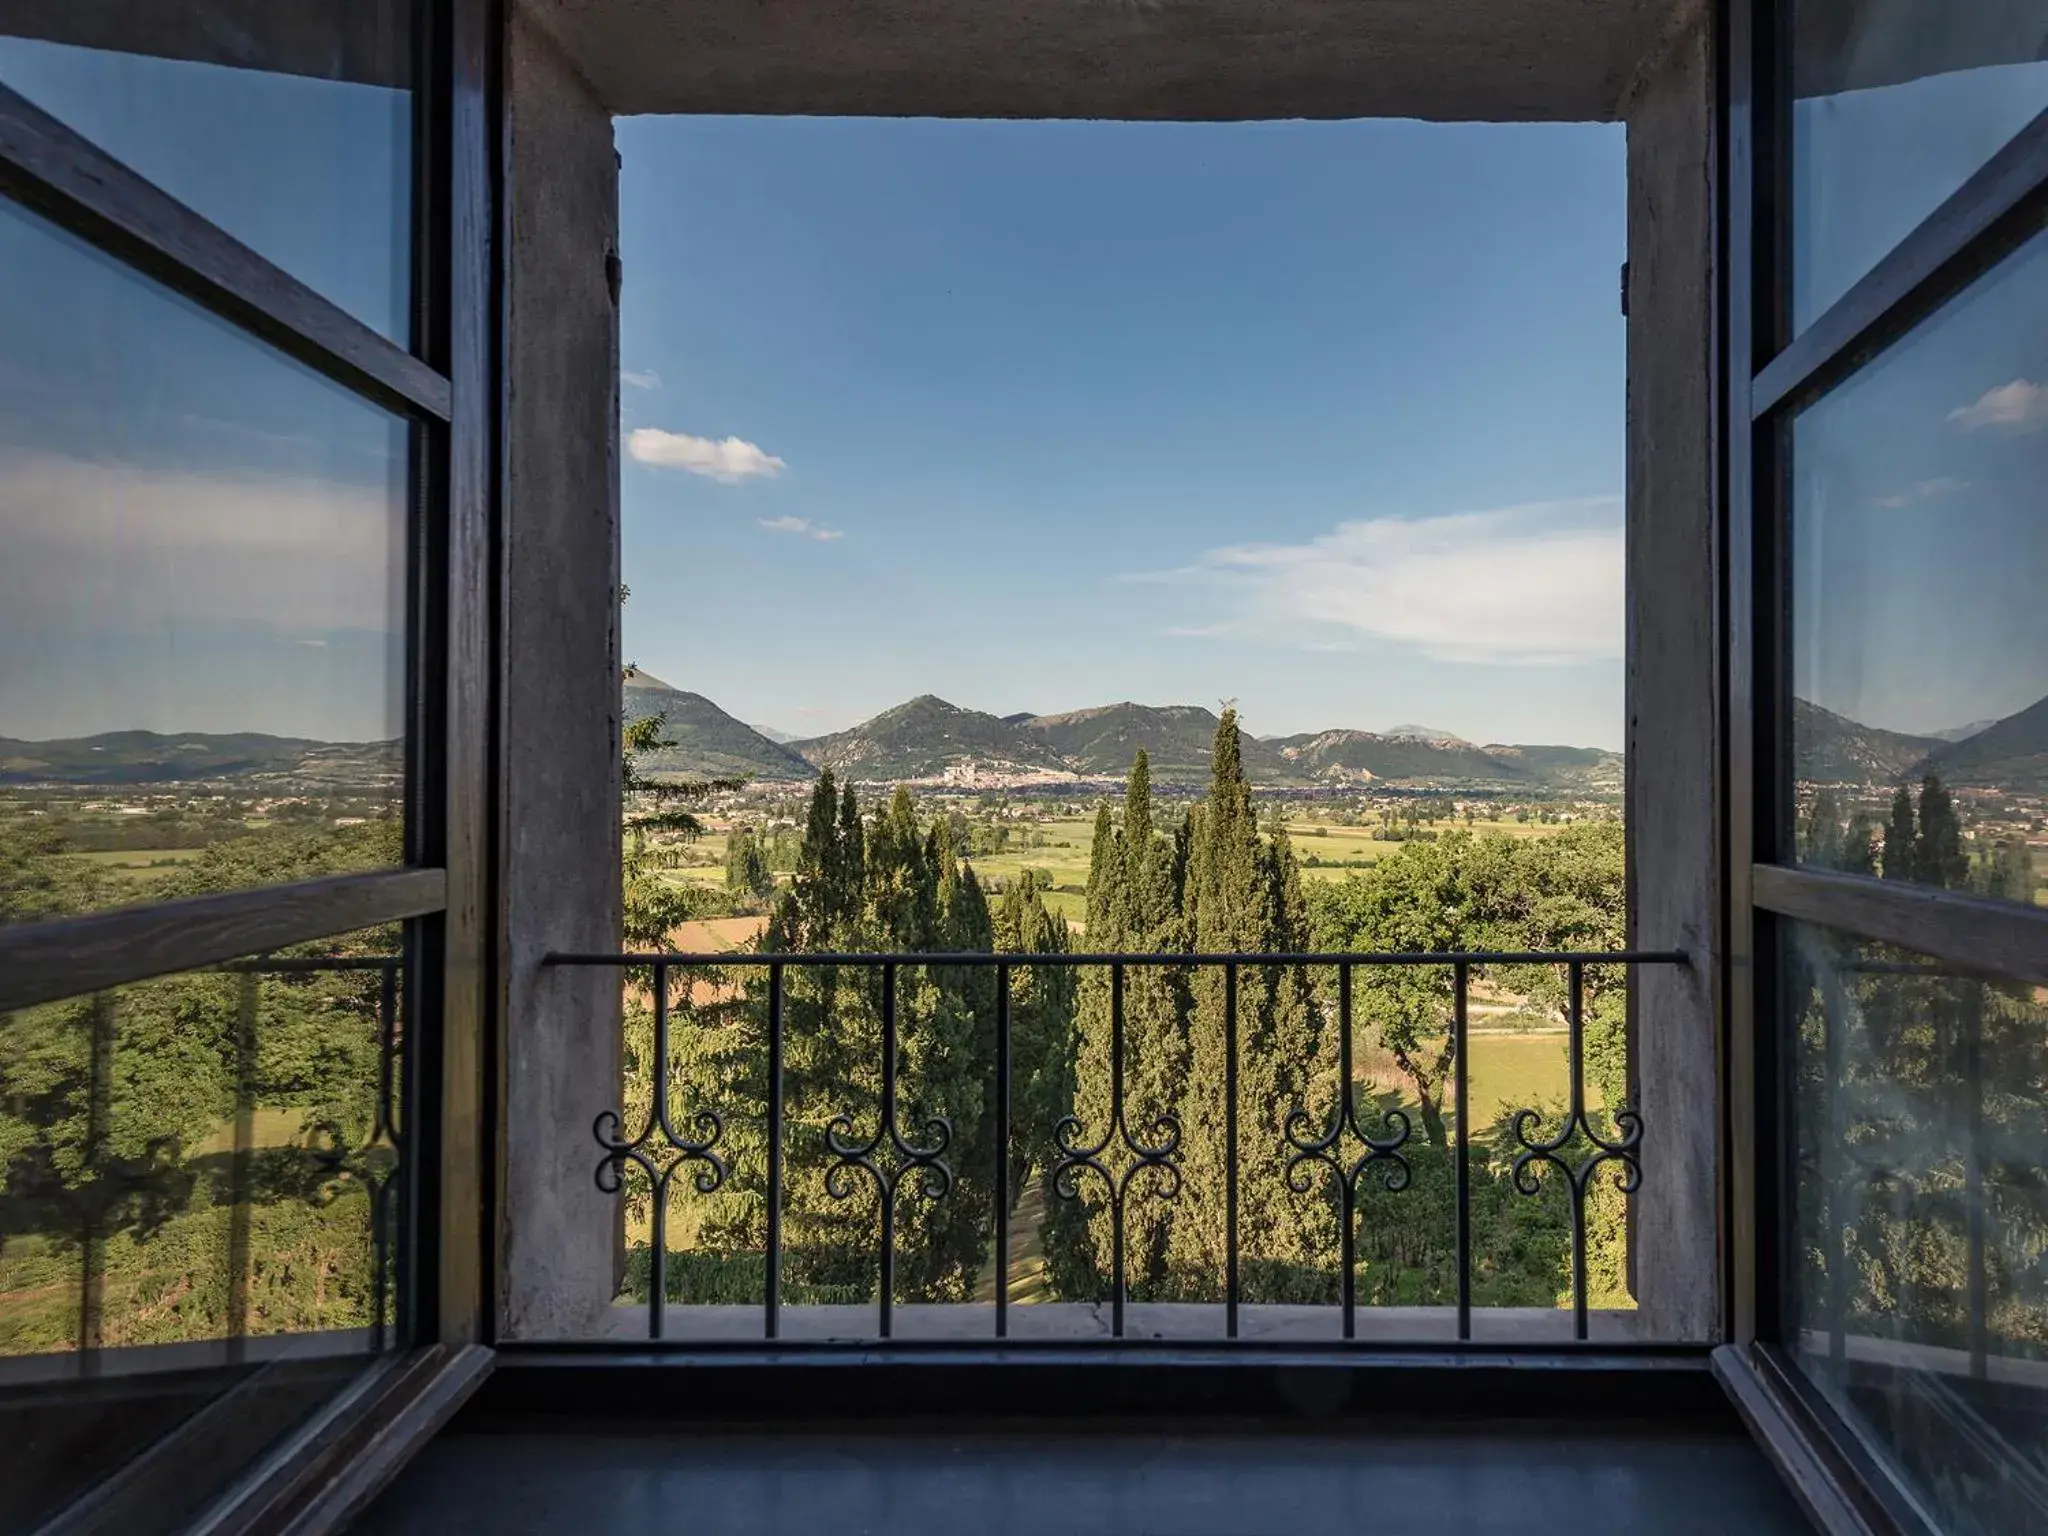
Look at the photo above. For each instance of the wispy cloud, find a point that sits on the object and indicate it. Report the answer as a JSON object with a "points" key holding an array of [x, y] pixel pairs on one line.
{"points": [[2021, 406], [1924, 490], [727, 460], [157, 549], [1530, 585], [647, 380], [799, 525]]}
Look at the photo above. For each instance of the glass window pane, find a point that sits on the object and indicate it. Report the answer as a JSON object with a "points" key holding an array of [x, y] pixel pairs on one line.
{"points": [[1895, 104], [1918, 1290], [1919, 629], [202, 598], [289, 126], [201, 1197]]}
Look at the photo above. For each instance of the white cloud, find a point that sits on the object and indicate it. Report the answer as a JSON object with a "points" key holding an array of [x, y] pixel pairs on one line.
{"points": [[115, 544], [727, 460], [2021, 405], [1922, 490], [644, 380], [1528, 585], [802, 525]]}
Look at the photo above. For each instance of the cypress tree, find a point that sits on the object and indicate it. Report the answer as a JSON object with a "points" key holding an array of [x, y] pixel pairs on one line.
{"points": [[1228, 887], [1901, 853], [1820, 838], [1291, 1064], [1042, 1066], [1939, 857], [1144, 921], [1078, 1236]]}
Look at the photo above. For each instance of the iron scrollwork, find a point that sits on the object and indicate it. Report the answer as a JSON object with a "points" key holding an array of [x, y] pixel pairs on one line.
{"points": [[926, 1160], [659, 1151], [1155, 1160], [1380, 1157], [1621, 1149]]}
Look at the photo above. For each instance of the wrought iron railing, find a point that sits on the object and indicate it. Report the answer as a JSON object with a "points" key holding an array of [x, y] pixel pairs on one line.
{"points": [[1342, 1143], [119, 1180]]}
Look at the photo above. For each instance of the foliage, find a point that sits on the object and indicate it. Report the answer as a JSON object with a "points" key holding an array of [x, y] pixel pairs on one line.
{"points": [[657, 817], [888, 882], [118, 1129]]}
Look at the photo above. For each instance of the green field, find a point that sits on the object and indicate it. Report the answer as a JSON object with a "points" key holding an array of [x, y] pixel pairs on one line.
{"points": [[140, 866], [1057, 848]]}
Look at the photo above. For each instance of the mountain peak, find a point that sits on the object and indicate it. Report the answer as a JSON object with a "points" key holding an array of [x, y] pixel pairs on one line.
{"points": [[708, 743]]}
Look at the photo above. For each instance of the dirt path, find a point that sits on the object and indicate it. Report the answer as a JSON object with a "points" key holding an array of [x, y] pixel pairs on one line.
{"points": [[1027, 1251]]}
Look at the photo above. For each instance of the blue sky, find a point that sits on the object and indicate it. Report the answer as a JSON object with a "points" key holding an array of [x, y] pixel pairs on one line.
{"points": [[1325, 418]]}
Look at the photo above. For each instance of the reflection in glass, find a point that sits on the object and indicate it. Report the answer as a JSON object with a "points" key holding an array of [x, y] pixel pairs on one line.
{"points": [[289, 126], [202, 598], [200, 1178], [1919, 626], [1919, 1290], [1895, 104]]}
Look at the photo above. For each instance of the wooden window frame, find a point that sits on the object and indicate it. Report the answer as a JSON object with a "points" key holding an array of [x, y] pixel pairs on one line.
{"points": [[1770, 375], [446, 387]]}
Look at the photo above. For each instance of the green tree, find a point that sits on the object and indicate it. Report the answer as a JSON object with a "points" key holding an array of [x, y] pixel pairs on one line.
{"points": [[1901, 842], [1132, 908], [1242, 896], [1939, 857], [747, 875], [657, 818]]}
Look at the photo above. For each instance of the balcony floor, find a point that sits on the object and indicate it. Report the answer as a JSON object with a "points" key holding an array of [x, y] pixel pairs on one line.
{"points": [[1432, 1479]]}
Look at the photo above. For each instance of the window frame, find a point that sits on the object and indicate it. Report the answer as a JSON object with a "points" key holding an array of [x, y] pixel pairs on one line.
{"points": [[444, 386], [1771, 375]]}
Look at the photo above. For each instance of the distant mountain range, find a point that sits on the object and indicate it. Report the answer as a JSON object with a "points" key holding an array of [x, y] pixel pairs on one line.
{"points": [[928, 739], [2011, 754], [1833, 749], [2002, 754], [709, 743], [181, 757]]}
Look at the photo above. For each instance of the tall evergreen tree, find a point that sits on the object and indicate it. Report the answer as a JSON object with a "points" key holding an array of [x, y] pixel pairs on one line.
{"points": [[1820, 832], [1901, 845], [1230, 882], [1131, 887], [1939, 857]]}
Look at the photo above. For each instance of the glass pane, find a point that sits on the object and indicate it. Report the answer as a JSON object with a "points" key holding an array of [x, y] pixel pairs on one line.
{"points": [[1919, 1286], [1920, 634], [202, 598], [289, 126], [200, 1185], [1895, 104]]}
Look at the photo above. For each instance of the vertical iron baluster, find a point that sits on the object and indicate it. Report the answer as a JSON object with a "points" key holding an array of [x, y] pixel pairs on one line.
{"points": [[385, 1191], [1002, 1150], [1623, 1148], [1461, 1083], [99, 1111], [1381, 1153], [387, 1050], [888, 1110], [1230, 1277], [1348, 1243], [1576, 986], [773, 1255], [1154, 1161], [1973, 1194], [1833, 1180], [1116, 1120], [657, 1183], [242, 1167]]}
